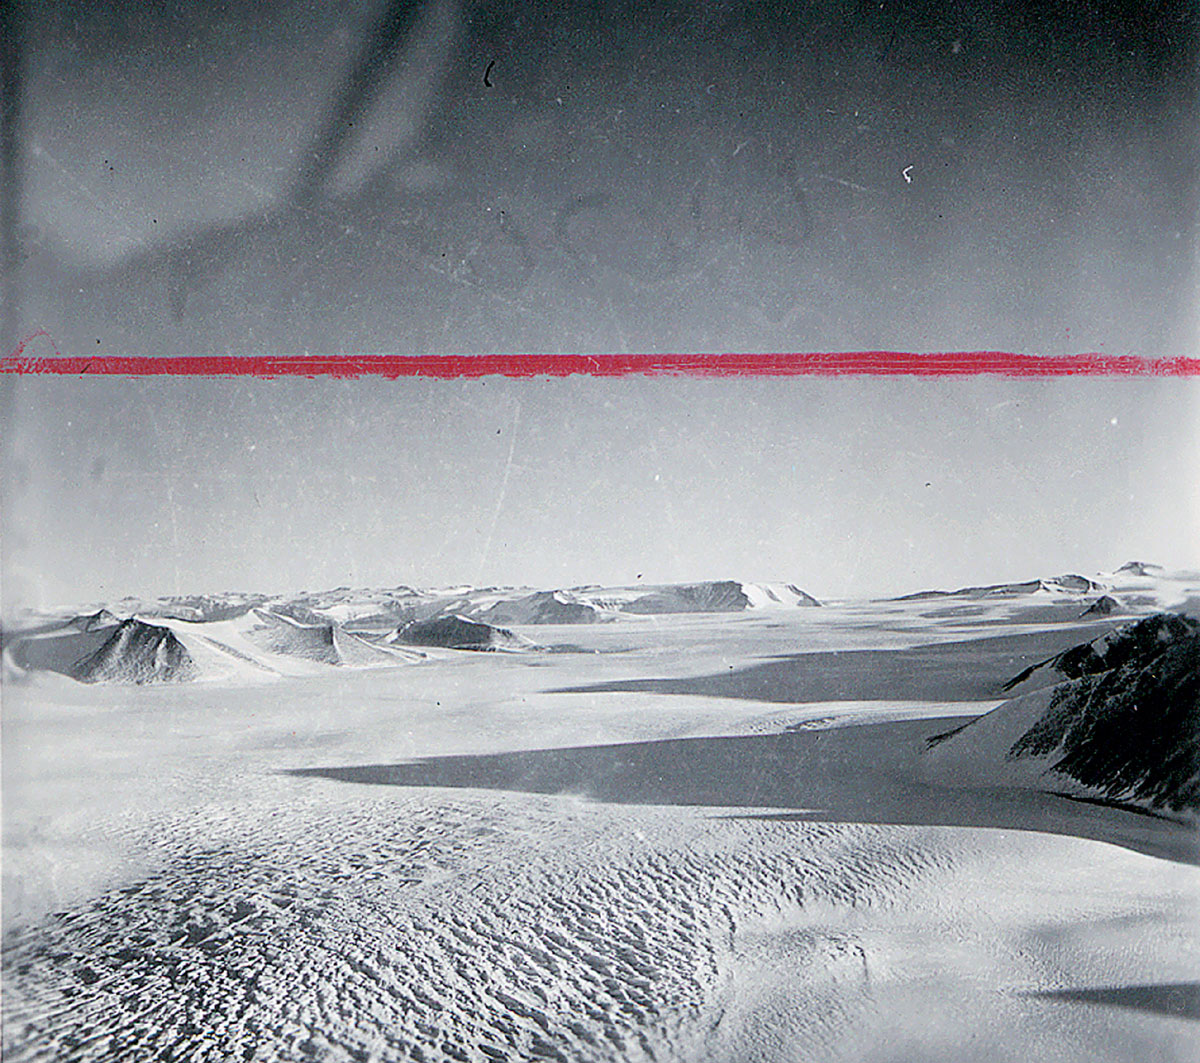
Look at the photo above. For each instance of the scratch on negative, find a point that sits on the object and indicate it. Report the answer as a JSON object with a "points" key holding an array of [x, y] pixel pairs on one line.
{"points": [[512, 443]]}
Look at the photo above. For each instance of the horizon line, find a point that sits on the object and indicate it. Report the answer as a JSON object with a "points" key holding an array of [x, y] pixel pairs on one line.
{"points": [[1097, 577], [523, 365]]}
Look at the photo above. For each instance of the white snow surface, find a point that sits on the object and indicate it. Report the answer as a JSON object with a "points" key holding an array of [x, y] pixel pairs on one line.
{"points": [[977, 756], [632, 852]]}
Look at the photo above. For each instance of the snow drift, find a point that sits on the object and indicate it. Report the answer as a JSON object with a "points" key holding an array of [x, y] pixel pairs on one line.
{"points": [[1124, 727]]}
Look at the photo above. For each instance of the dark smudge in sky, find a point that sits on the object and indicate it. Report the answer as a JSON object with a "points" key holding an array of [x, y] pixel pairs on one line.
{"points": [[675, 176]]}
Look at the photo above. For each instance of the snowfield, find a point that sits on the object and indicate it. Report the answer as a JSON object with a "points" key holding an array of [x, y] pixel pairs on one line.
{"points": [[691, 836]]}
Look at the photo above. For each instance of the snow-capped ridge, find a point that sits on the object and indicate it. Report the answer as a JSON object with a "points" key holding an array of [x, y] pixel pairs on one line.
{"points": [[717, 596], [713, 596], [543, 607], [323, 643], [137, 652], [1139, 568], [459, 633], [1068, 584], [1105, 605], [593, 603], [250, 647], [96, 621], [773, 595]]}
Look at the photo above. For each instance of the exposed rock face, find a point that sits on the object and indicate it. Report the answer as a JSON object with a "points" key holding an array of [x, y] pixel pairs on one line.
{"points": [[324, 643], [137, 652], [1105, 605], [1132, 642], [1132, 731], [586, 605], [1068, 584], [169, 650], [1116, 719], [1072, 582], [766, 595], [1140, 568], [58, 652], [283, 635], [725, 596]]}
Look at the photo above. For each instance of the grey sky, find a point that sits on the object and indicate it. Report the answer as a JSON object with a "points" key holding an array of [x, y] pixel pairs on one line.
{"points": [[846, 487], [602, 176], [608, 175]]}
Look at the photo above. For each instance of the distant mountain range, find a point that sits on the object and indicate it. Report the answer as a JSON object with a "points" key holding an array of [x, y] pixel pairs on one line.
{"points": [[1069, 584], [1134, 586], [247, 636], [382, 607]]}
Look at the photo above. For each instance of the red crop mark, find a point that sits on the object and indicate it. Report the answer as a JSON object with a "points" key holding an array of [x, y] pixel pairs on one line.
{"points": [[456, 366], [19, 354]]}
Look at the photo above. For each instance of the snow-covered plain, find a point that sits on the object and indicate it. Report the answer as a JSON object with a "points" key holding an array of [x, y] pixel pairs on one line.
{"points": [[699, 837]]}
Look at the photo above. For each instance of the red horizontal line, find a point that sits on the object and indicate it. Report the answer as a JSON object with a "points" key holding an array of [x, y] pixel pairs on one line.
{"points": [[451, 366]]}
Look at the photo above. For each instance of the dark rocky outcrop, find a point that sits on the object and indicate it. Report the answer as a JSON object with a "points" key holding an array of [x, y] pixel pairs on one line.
{"points": [[325, 643], [96, 621], [1105, 605], [1068, 583], [724, 596], [1137, 642], [291, 638], [1140, 568], [1132, 731], [1115, 719], [458, 633]]}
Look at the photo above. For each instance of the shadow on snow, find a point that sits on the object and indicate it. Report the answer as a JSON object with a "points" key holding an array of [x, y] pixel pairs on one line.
{"points": [[972, 670], [1179, 1000], [865, 773]]}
